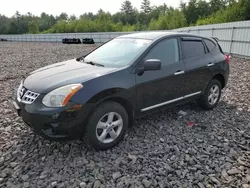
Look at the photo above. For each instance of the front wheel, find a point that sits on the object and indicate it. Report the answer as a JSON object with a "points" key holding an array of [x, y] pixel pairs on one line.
{"points": [[106, 126], [211, 96]]}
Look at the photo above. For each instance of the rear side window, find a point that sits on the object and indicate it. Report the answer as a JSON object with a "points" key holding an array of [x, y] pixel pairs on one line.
{"points": [[210, 45], [192, 49], [167, 51]]}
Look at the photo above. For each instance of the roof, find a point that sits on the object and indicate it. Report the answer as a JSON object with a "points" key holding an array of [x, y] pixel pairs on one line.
{"points": [[152, 35]]}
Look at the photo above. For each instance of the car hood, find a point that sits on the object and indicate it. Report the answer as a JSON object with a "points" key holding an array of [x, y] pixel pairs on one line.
{"points": [[56, 75]]}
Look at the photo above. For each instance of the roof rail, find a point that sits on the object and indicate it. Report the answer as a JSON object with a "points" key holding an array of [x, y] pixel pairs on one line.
{"points": [[215, 38]]}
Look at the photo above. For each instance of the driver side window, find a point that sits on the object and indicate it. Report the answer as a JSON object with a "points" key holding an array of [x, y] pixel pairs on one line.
{"points": [[167, 51]]}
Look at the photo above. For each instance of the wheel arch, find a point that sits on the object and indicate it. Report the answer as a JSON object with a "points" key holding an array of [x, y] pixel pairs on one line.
{"points": [[115, 95], [126, 104], [220, 78]]}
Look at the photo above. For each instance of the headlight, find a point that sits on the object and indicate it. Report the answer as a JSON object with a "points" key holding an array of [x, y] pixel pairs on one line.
{"points": [[60, 96]]}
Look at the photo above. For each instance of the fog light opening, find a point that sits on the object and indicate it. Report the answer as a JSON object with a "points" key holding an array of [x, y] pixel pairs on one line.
{"points": [[50, 129]]}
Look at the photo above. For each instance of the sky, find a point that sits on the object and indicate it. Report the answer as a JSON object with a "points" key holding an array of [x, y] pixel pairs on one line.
{"points": [[77, 7]]}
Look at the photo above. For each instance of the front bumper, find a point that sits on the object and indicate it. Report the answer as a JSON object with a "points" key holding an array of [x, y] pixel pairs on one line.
{"points": [[53, 123]]}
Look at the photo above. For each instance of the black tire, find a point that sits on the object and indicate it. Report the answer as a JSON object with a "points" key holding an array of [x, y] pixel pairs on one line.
{"points": [[103, 109], [204, 100]]}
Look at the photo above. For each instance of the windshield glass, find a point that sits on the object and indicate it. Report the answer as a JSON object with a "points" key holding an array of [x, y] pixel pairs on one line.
{"points": [[118, 52]]}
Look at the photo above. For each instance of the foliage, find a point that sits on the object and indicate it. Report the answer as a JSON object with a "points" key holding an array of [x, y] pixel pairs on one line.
{"points": [[145, 6], [174, 18], [33, 27], [195, 9], [195, 12], [235, 11]]}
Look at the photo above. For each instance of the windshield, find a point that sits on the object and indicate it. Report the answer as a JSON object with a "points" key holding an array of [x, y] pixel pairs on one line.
{"points": [[118, 52]]}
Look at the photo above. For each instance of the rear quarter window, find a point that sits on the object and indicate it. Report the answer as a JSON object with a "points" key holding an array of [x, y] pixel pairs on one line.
{"points": [[192, 49], [210, 45]]}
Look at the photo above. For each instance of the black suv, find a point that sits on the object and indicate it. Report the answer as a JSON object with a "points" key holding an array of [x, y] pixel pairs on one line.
{"points": [[97, 96]]}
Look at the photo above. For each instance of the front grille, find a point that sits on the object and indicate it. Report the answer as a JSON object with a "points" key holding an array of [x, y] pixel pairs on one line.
{"points": [[29, 97], [26, 96]]}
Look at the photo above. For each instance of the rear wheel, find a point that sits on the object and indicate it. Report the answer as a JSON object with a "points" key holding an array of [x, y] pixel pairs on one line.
{"points": [[211, 97], [106, 126]]}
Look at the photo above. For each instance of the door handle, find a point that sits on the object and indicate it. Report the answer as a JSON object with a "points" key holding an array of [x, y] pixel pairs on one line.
{"points": [[179, 72], [210, 64]]}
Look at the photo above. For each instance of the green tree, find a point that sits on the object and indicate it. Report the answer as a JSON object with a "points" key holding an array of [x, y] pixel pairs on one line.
{"points": [[72, 17], [216, 5], [127, 7], [153, 25], [145, 6], [128, 13], [33, 27], [118, 17], [173, 19], [195, 12], [245, 5], [63, 16], [156, 11], [4, 21], [235, 11], [195, 9], [46, 21], [88, 15]]}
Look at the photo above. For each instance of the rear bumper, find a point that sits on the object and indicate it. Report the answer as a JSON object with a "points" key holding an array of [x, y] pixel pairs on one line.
{"points": [[53, 123]]}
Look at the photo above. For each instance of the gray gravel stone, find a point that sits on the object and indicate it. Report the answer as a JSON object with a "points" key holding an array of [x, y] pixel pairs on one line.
{"points": [[248, 178], [54, 184], [13, 164], [133, 158], [1, 161], [83, 185], [201, 185], [245, 185], [214, 180], [233, 171], [146, 183], [90, 185], [97, 184], [224, 173], [43, 176], [3, 175], [25, 177], [26, 184], [162, 140], [116, 175]]}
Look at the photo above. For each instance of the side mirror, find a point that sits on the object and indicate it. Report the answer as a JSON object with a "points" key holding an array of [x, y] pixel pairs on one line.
{"points": [[152, 64]]}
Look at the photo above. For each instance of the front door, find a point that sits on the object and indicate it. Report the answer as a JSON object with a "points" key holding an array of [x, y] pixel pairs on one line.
{"points": [[165, 86]]}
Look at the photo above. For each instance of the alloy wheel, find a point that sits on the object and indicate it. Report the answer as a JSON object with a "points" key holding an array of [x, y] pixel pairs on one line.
{"points": [[214, 94], [109, 127]]}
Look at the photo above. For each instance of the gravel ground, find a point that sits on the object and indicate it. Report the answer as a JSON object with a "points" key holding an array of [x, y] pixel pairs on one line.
{"points": [[159, 150]]}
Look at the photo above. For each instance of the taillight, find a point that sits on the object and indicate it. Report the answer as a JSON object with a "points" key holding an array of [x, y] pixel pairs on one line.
{"points": [[227, 57]]}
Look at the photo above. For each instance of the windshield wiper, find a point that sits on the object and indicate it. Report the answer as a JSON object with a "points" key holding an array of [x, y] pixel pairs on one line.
{"points": [[80, 58], [89, 62], [94, 63]]}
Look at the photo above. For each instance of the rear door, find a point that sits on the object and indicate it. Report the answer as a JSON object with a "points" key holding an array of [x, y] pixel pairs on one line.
{"points": [[197, 62], [218, 55]]}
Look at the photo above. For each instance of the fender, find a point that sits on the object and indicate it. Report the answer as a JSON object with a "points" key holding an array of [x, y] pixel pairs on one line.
{"points": [[220, 75], [112, 93], [119, 84], [100, 94]]}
